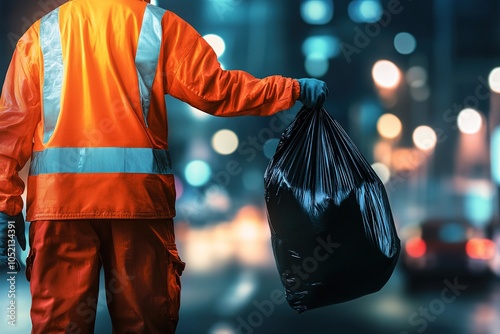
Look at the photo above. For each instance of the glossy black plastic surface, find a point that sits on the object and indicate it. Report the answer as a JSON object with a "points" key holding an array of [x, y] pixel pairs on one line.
{"points": [[332, 229]]}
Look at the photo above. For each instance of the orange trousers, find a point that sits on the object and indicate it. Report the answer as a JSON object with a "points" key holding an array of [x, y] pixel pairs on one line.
{"points": [[141, 268]]}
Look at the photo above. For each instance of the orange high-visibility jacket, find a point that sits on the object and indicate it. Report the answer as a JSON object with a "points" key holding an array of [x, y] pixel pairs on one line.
{"points": [[84, 99]]}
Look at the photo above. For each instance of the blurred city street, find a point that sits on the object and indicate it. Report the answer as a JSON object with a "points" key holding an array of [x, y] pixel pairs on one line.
{"points": [[207, 308], [391, 310], [415, 84]]}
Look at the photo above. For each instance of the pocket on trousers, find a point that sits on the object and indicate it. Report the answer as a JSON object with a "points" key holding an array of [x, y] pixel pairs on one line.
{"points": [[175, 268]]}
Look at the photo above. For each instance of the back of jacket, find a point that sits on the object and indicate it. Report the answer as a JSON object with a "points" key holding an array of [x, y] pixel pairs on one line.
{"points": [[84, 99]]}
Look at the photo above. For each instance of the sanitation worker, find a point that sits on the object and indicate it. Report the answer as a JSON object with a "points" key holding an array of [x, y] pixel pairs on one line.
{"points": [[84, 99]]}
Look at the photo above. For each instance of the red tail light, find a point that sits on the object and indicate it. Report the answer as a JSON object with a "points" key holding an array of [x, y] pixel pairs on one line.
{"points": [[482, 249], [415, 247]]}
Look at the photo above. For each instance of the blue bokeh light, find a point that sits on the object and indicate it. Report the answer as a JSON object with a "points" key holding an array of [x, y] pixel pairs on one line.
{"points": [[405, 43], [365, 11], [328, 46], [316, 65], [317, 11], [197, 173]]}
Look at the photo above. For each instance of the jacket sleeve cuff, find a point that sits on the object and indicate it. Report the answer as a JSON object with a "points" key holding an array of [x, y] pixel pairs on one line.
{"points": [[295, 90]]}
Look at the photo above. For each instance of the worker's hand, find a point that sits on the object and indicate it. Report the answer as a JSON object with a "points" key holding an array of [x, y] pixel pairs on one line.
{"points": [[10, 228], [313, 92]]}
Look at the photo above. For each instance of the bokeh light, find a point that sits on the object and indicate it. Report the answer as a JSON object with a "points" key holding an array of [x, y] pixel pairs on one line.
{"points": [[416, 76], [479, 203], [386, 74], [495, 155], [179, 187], [326, 45], [382, 152], [382, 171], [420, 93], [317, 11], [217, 198], [389, 126], [405, 43], [407, 159], [244, 238], [469, 121], [424, 138], [251, 232], [197, 113], [494, 80], [201, 253], [197, 173], [316, 65], [365, 11], [217, 43], [225, 142], [222, 328]]}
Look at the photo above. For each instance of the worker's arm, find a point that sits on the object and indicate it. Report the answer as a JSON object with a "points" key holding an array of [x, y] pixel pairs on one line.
{"points": [[193, 75], [19, 114]]}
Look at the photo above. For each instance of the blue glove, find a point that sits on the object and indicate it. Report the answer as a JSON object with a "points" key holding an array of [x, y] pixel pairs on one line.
{"points": [[313, 92], [7, 243]]}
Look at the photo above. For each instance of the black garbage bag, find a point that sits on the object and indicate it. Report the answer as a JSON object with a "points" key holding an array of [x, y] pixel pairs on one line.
{"points": [[332, 230]]}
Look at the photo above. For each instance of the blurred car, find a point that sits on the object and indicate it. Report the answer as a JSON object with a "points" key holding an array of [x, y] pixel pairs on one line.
{"points": [[444, 248]]}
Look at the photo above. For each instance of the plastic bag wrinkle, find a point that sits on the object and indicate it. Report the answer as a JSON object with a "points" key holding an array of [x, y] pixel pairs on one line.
{"points": [[321, 191]]}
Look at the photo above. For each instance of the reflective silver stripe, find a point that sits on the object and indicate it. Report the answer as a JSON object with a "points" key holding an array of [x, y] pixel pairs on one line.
{"points": [[148, 50], [50, 41], [100, 160]]}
